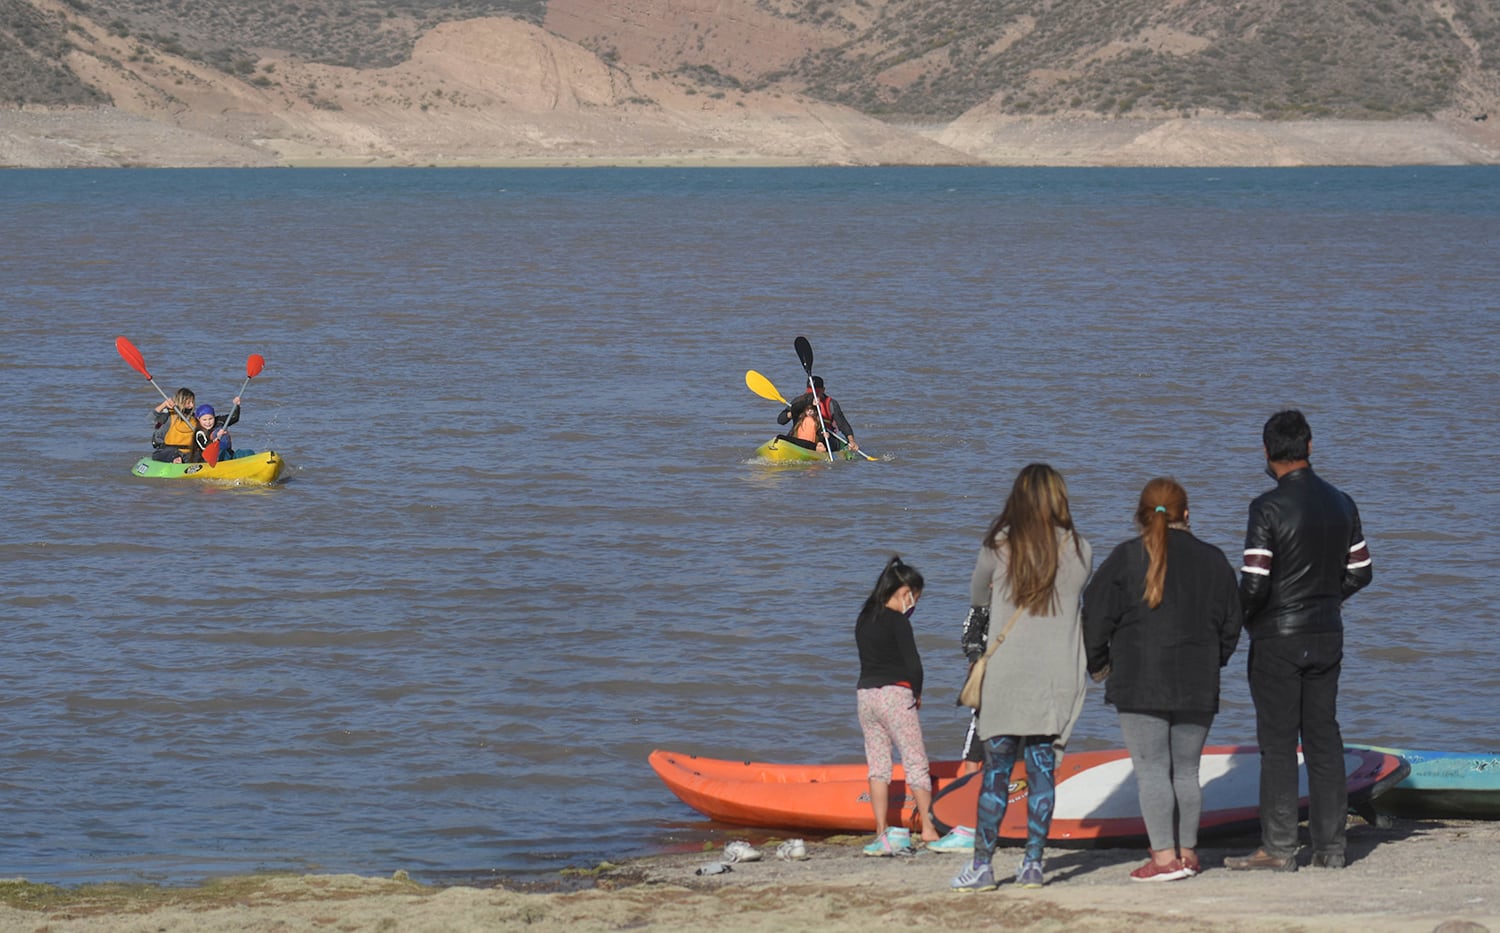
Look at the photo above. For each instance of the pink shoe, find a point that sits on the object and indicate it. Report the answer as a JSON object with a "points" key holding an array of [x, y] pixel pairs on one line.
{"points": [[1151, 871]]}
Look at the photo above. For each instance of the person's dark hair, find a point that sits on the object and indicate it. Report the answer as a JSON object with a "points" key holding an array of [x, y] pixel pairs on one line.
{"points": [[800, 405], [818, 382], [1287, 436], [1024, 535], [895, 575]]}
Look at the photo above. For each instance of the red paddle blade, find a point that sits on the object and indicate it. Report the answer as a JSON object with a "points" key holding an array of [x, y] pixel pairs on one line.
{"points": [[132, 356], [254, 365], [211, 453]]}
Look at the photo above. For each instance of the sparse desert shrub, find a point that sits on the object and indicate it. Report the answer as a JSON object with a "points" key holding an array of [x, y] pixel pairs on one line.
{"points": [[1295, 59]]}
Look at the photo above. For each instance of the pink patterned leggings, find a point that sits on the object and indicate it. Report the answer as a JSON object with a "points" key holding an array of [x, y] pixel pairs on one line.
{"points": [[888, 716]]}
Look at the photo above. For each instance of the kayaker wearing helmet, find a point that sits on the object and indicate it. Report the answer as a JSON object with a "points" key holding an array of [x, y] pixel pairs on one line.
{"points": [[209, 430]]}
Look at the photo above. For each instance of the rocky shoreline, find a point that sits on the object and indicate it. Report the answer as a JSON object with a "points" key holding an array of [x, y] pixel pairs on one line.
{"points": [[1410, 875], [107, 137]]}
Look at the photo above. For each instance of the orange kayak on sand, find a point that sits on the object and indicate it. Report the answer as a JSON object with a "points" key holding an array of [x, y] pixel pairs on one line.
{"points": [[1096, 792], [835, 798]]}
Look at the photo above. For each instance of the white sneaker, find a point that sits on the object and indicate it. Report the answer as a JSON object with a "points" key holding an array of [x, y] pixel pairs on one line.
{"points": [[740, 851], [793, 850]]}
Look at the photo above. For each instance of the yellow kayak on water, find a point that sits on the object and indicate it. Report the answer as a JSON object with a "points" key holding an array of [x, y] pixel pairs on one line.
{"points": [[784, 451], [250, 469]]}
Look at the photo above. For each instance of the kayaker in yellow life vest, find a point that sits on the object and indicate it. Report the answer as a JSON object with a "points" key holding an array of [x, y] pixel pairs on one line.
{"points": [[172, 437]]}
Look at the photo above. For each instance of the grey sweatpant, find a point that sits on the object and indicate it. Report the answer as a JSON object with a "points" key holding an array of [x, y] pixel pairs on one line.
{"points": [[1164, 750]]}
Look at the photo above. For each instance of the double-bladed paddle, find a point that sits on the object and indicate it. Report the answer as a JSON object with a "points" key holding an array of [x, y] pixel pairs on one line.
{"points": [[805, 354], [254, 363], [762, 386]]}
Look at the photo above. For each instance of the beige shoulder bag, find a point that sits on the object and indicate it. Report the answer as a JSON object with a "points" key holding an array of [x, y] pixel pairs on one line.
{"points": [[969, 695]]}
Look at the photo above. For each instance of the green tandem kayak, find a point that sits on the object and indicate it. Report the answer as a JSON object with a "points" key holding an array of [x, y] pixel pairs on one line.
{"points": [[250, 469]]}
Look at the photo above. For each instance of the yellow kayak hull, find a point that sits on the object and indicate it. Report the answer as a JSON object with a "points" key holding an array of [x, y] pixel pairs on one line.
{"points": [[782, 450], [252, 469]]}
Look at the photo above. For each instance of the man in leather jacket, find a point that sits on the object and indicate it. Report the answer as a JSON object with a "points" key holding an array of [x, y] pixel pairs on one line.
{"points": [[1305, 553]]}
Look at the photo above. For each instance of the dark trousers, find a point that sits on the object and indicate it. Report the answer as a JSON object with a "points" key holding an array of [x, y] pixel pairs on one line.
{"points": [[1294, 681]]}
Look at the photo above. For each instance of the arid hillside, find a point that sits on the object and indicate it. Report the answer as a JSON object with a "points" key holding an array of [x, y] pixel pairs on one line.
{"points": [[261, 82]]}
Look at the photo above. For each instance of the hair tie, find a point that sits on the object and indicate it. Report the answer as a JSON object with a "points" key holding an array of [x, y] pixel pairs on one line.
{"points": [[1162, 509]]}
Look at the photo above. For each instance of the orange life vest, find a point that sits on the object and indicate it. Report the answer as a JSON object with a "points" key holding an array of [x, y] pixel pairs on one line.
{"points": [[806, 429]]}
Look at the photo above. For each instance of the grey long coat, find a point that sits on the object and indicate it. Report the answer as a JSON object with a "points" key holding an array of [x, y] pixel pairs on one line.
{"points": [[1036, 679]]}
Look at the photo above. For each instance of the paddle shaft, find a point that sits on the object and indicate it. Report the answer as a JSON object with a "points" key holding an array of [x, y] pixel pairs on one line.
{"points": [[805, 354], [253, 365]]}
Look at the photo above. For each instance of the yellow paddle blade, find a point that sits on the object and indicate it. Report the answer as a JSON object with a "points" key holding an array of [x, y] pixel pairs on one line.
{"points": [[761, 386]]}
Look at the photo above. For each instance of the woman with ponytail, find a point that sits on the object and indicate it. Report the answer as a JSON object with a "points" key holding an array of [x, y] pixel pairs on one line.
{"points": [[1160, 618], [889, 695]]}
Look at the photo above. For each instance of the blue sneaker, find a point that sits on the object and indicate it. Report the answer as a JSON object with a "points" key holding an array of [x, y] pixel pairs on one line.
{"points": [[974, 879], [1029, 875], [894, 841], [960, 839]]}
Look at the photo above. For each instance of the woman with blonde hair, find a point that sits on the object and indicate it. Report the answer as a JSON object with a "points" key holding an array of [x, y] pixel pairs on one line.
{"points": [[1031, 571], [1160, 618], [173, 423]]}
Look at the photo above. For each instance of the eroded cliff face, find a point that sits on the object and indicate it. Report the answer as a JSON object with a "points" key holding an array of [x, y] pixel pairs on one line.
{"points": [[739, 39], [484, 91], [501, 91]]}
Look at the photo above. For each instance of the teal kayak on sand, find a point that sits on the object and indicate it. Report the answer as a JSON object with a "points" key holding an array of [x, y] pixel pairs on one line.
{"points": [[1443, 785]]}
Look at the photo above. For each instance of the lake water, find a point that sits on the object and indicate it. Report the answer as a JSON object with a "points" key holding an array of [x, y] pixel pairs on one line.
{"points": [[522, 541]]}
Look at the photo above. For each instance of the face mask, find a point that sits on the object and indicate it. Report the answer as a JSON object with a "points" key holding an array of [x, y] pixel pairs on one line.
{"points": [[911, 605]]}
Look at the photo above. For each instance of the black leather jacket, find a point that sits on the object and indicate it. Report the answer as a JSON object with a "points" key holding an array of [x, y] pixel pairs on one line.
{"points": [[1305, 554]]}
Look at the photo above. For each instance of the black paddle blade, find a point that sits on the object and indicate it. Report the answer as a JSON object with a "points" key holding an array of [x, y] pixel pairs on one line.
{"points": [[804, 353]]}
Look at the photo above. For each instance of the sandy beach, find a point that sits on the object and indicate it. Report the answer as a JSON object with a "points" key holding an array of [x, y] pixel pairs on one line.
{"points": [[1408, 876]]}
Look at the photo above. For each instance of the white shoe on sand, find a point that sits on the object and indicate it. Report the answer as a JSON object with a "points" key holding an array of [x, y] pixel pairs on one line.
{"points": [[741, 851], [793, 850]]}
